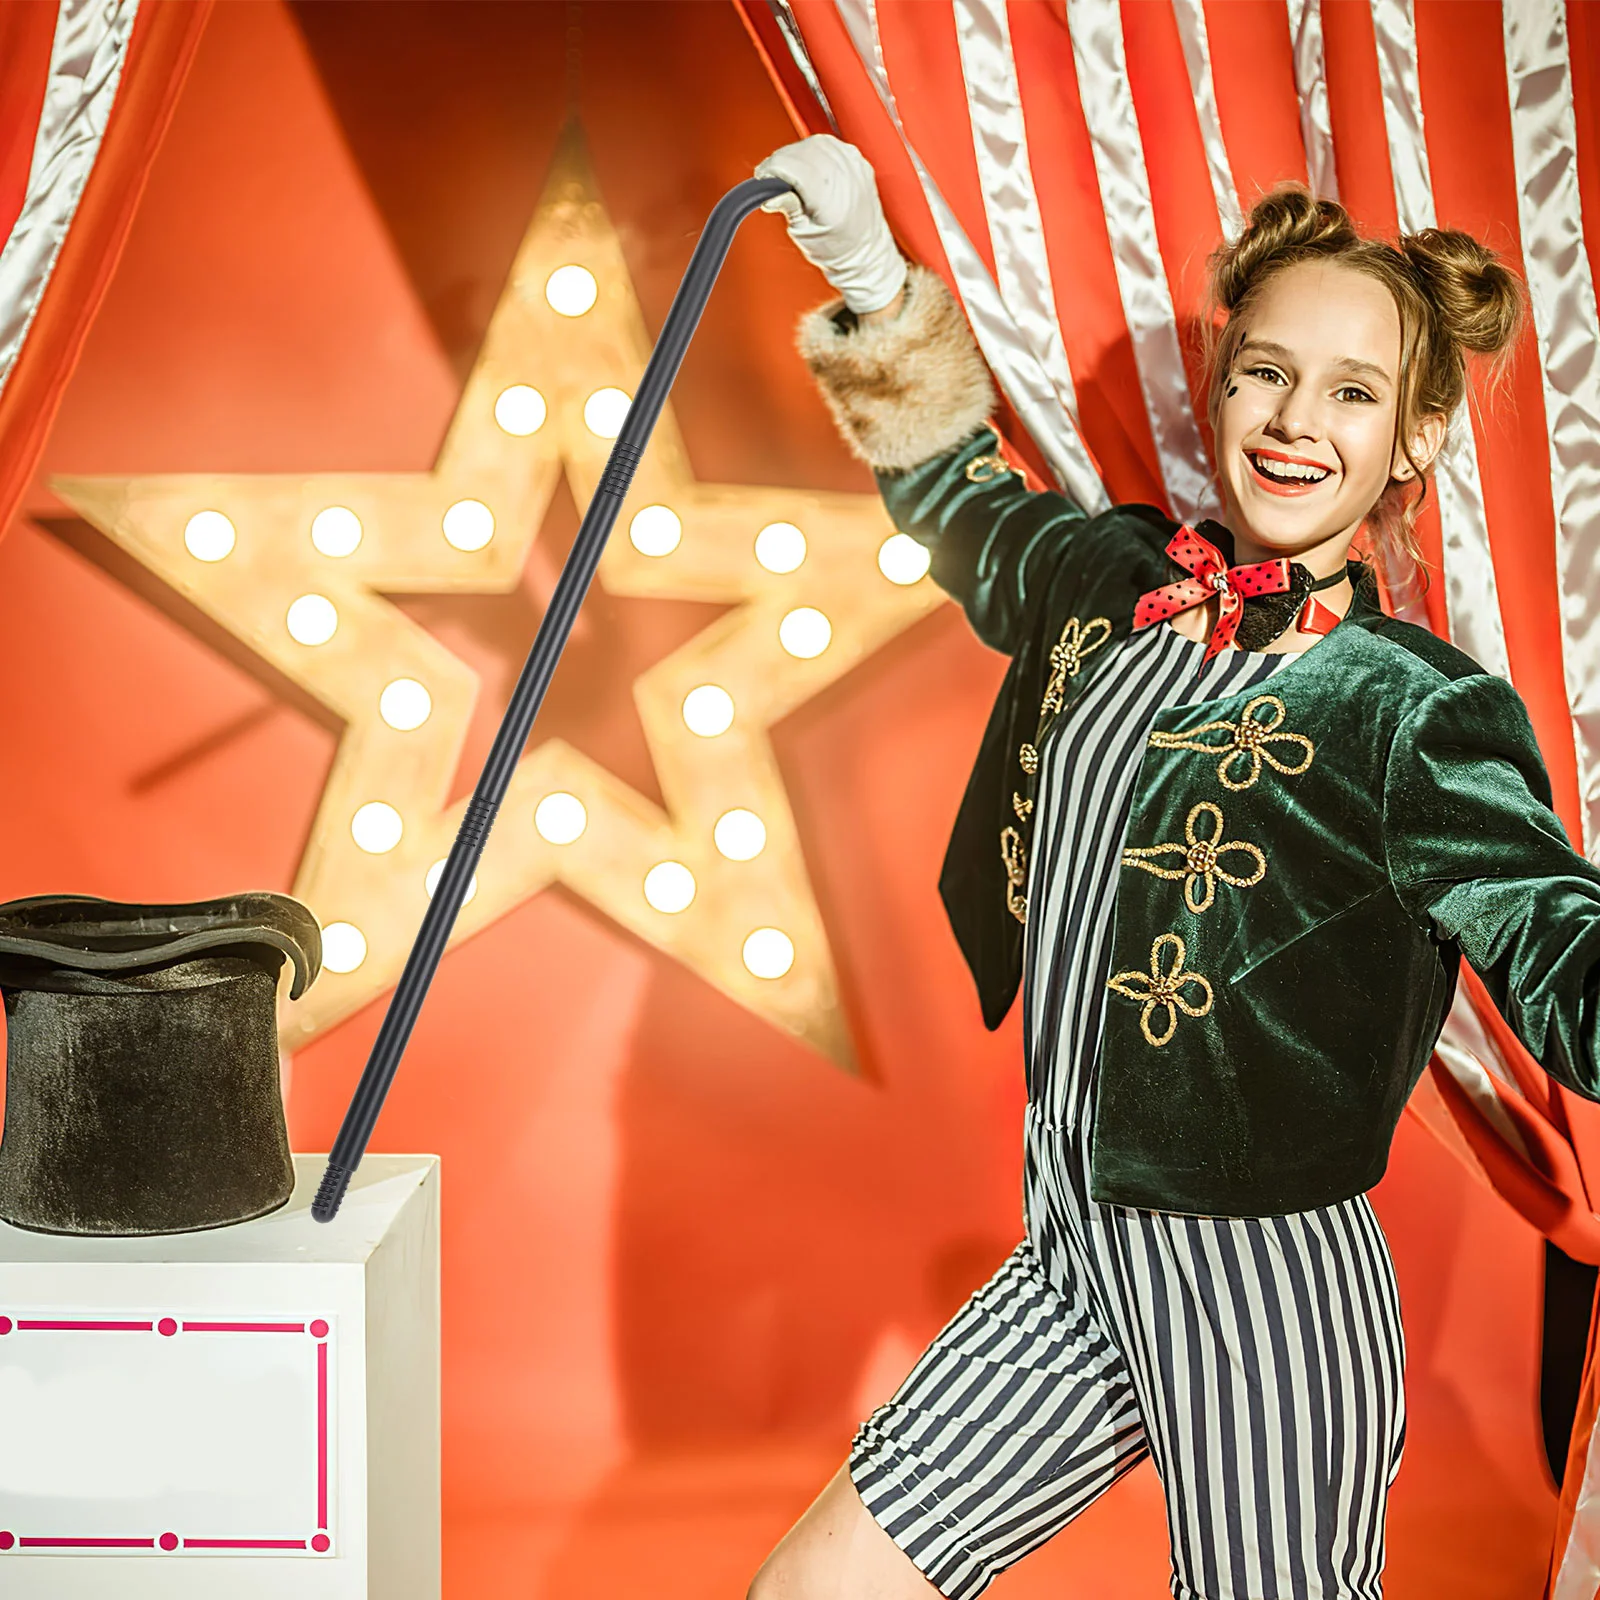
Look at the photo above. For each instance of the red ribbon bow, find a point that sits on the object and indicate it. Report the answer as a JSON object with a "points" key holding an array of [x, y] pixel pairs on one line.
{"points": [[1212, 575]]}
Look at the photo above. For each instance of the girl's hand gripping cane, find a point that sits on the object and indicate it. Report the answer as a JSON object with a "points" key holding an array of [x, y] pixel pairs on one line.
{"points": [[836, 219]]}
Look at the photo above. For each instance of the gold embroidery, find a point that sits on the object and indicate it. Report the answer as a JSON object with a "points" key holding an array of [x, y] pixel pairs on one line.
{"points": [[985, 469], [1016, 860], [1066, 656], [1249, 742], [1163, 990], [1202, 859], [1020, 806], [1029, 757]]}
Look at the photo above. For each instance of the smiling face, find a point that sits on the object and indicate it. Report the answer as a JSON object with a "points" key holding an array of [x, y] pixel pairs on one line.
{"points": [[1305, 417]]}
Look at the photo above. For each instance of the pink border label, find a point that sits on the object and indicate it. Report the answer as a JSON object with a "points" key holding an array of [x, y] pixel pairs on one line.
{"points": [[319, 1329]]}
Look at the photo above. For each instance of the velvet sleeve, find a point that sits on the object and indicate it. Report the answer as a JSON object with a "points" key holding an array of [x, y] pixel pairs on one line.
{"points": [[989, 541], [1476, 855]]}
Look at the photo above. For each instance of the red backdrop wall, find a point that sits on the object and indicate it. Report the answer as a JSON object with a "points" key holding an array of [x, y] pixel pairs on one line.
{"points": [[681, 1257]]}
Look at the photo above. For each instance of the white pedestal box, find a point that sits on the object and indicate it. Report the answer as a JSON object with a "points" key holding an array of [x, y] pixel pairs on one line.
{"points": [[247, 1413]]}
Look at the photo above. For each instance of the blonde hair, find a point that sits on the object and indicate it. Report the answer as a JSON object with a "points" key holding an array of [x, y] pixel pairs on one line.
{"points": [[1454, 297]]}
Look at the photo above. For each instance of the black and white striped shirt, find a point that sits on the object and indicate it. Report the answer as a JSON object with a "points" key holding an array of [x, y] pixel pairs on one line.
{"points": [[1087, 769]]}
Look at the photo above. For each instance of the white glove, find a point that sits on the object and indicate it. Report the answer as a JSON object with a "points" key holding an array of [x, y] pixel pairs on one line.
{"points": [[836, 219]]}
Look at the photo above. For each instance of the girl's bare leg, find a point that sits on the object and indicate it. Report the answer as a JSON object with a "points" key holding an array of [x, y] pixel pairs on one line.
{"points": [[836, 1551]]}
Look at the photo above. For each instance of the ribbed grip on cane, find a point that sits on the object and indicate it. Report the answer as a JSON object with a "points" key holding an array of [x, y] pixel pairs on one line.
{"points": [[330, 1192], [619, 470], [477, 821]]}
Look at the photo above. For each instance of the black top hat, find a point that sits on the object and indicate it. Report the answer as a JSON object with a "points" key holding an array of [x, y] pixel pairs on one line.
{"points": [[142, 1061]]}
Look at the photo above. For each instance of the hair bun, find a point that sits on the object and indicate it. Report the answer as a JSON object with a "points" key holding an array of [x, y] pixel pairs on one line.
{"points": [[1478, 300], [1287, 220]]}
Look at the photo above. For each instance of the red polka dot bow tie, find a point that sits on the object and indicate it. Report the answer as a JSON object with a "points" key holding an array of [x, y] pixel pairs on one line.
{"points": [[1234, 585]]}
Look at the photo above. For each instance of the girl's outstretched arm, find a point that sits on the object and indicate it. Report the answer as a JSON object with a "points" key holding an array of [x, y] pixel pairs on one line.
{"points": [[1477, 855]]}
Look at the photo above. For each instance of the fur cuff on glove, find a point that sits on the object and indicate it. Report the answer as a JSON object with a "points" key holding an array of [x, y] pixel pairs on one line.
{"points": [[906, 390]]}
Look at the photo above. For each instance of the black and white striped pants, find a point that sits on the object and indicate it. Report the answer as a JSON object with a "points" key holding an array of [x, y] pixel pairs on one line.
{"points": [[1258, 1361]]}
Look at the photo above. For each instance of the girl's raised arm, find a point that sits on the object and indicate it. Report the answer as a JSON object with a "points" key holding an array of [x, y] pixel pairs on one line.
{"points": [[901, 373]]}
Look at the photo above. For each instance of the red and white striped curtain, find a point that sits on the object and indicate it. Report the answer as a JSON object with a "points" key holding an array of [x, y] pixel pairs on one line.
{"points": [[1069, 164], [86, 90]]}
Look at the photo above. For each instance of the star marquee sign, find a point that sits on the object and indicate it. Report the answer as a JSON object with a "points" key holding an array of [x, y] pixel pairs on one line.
{"points": [[297, 567]]}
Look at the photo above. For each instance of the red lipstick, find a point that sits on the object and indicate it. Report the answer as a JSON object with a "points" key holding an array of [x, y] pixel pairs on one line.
{"points": [[1283, 486]]}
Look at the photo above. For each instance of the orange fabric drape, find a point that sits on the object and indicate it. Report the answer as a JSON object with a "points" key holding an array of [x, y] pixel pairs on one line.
{"points": [[165, 35]]}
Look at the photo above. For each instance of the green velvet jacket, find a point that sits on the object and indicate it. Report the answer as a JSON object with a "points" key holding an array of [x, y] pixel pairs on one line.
{"points": [[1262, 1032]]}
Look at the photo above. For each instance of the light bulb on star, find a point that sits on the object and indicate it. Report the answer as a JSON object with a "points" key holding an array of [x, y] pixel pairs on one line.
{"points": [[468, 525], [344, 947], [768, 952], [560, 818], [780, 547], [740, 835], [902, 560], [571, 290], [405, 704], [313, 619], [430, 882], [336, 532], [377, 827], [520, 410], [805, 632], [669, 887], [605, 411], [708, 710], [209, 536], [655, 530]]}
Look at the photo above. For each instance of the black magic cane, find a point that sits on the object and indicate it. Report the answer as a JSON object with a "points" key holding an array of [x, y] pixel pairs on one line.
{"points": [[506, 751]]}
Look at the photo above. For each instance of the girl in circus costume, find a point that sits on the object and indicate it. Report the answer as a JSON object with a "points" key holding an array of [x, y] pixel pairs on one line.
{"points": [[1231, 829]]}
